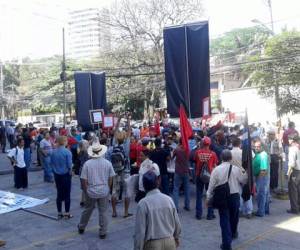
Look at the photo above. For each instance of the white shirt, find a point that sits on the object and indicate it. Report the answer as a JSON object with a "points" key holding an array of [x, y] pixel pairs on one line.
{"points": [[294, 157], [219, 176], [18, 154], [145, 167], [156, 218], [237, 157], [97, 173], [136, 133]]}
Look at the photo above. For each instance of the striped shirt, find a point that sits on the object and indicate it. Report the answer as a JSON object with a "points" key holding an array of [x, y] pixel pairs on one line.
{"points": [[97, 172]]}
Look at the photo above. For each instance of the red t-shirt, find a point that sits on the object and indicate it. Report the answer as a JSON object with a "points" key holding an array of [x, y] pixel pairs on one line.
{"points": [[205, 155], [181, 162], [133, 151], [71, 141], [63, 132], [287, 133], [139, 149], [144, 132]]}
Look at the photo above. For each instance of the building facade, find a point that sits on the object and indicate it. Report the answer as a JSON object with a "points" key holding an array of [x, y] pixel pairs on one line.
{"points": [[88, 33]]}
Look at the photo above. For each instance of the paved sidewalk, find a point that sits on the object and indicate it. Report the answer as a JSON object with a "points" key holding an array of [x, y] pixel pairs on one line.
{"points": [[23, 230], [6, 167]]}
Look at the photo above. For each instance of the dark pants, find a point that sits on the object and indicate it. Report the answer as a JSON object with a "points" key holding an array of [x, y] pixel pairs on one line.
{"points": [[3, 144], [139, 195], [11, 141], [63, 186], [199, 196], [21, 177], [229, 219], [294, 190], [164, 185], [76, 163], [38, 156], [274, 167]]}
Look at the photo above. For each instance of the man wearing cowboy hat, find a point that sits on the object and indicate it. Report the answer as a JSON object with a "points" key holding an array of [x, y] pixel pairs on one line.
{"points": [[96, 178]]}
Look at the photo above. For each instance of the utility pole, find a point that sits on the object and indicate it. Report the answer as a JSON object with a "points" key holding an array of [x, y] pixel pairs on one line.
{"points": [[271, 14], [274, 73], [63, 76]]}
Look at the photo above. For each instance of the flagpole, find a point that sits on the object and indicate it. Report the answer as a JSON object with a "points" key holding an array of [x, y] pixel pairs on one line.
{"points": [[249, 153], [187, 71]]}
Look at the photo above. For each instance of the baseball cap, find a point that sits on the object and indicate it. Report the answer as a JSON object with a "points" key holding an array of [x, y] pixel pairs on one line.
{"points": [[150, 180], [206, 140]]}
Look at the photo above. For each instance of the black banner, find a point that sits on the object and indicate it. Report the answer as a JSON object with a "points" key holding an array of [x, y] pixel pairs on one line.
{"points": [[187, 68], [90, 92]]}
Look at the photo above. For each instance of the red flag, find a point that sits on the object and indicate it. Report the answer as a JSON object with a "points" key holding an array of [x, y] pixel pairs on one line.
{"points": [[185, 129], [157, 128]]}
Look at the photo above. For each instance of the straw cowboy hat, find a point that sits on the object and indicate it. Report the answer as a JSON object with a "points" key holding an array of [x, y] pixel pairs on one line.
{"points": [[97, 150]]}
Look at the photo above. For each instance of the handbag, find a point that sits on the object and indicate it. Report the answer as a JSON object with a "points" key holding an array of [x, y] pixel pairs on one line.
{"points": [[222, 194], [205, 174]]}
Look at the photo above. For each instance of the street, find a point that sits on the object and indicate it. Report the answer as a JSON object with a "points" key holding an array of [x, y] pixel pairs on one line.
{"points": [[23, 230]]}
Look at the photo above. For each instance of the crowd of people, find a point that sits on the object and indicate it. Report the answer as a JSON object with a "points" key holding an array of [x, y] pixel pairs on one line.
{"points": [[151, 165]]}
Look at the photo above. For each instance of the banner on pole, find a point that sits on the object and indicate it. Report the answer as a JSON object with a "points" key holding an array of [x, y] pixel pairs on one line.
{"points": [[11, 202], [187, 71], [108, 121]]}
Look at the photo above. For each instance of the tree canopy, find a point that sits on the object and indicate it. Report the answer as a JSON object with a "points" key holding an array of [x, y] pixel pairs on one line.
{"points": [[280, 65]]}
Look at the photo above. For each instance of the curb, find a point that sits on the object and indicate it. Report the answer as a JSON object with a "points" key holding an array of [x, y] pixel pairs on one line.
{"points": [[11, 171]]}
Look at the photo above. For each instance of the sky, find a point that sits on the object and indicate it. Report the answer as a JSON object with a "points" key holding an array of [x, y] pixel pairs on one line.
{"points": [[33, 28]]}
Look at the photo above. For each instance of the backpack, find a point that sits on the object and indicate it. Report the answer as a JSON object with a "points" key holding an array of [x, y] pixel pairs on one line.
{"points": [[118, 158], [204, 174], [222, 193]]}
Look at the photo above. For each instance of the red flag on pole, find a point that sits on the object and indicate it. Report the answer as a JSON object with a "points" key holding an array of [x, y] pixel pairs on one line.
{"points": [[185, 129]]}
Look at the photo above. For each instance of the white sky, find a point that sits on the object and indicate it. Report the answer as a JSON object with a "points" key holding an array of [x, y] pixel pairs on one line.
{"points": [[33, 27]]}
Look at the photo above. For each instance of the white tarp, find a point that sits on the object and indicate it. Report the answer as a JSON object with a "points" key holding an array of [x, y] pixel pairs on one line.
{"points": [[10, 202]]}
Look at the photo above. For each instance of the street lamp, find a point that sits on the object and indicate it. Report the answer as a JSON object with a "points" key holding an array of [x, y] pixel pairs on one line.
{"points": [[256, 21]]}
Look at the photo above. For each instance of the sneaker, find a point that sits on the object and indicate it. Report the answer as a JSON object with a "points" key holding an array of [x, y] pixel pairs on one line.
{"points": [[235, 235], [224, 248], [211, 217], [259, 215], [80, 230], [103, 236], [187, 209], [248, 216], [198, 217], [2, 243], [290, 211]]}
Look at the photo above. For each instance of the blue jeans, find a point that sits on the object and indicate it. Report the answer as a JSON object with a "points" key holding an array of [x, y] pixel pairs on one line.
{"points": [[229, 219], [48, 174], [178, 180], [27, 157], [262, 190], [199, 195], [165, 184], [193, 172]]}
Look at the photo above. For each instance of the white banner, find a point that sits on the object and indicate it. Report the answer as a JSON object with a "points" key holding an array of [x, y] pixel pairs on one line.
{"points": [[10, 202]]}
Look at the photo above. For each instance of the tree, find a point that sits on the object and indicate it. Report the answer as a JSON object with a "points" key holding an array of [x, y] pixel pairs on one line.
{"points": [[137, 28], [235, 47], [10, 84], [280, 67], [241, 41], [134, 66], [41, 87]]}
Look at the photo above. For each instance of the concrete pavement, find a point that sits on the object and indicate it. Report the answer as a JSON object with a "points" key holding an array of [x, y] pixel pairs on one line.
{"points": [[6, 168], [23, 230]]}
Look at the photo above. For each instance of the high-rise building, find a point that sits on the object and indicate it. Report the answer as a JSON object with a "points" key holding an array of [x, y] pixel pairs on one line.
{"points": [[88, 33]]}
